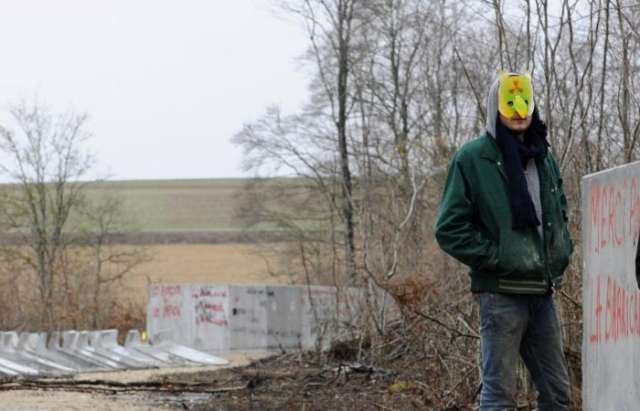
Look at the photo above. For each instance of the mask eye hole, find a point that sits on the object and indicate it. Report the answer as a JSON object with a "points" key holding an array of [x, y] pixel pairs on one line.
{"points": [[510, 103], [526, 101]]}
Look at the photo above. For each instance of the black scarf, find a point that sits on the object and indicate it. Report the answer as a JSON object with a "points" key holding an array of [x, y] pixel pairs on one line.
{"points": [[516, 155]]}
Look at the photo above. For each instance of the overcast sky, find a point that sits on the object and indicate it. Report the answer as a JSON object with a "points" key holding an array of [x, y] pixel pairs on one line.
{"points": [[165, 83]]}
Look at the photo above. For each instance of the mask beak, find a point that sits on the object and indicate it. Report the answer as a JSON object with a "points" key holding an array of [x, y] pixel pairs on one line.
{"points": [[520, 107]]}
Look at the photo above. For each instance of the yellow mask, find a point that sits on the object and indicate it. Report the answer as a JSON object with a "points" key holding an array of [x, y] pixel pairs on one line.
{"points": [[515, 95]]}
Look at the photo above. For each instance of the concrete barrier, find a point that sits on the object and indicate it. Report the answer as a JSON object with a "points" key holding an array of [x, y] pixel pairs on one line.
{"points": [[77, 343], [54, 348], [134, 342], [71, 351], [220, 318], [611, 300], [107, 341], [14, 345], [34, 344]]}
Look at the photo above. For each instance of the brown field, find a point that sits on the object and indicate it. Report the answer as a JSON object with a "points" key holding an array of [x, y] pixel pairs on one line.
{"points": [[205, 263], [192, 233]]}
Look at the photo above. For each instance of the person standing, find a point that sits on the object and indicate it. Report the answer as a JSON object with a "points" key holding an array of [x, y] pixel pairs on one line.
{"points": [[503, 213]]}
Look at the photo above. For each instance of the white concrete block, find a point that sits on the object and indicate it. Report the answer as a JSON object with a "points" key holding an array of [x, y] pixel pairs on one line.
{"points": [[284, 317], [170, 310], [248, 327], [611, 300], [210, 317], [226, 318]]}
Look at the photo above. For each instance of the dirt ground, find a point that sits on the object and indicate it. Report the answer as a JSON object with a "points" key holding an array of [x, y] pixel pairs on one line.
{"points": [[260, 382], [263, 382], [12, 398], [256, 381], [299, 382]]}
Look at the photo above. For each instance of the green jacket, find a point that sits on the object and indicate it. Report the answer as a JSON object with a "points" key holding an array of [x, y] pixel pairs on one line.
{"points": [[474, 224]]}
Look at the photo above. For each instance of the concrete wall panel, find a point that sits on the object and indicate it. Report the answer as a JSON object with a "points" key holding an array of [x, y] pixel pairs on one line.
{"points": [[611, 300], [248, 328], [210, 316], [223, 318], [284, 317], [319, 315], [170, 311]]}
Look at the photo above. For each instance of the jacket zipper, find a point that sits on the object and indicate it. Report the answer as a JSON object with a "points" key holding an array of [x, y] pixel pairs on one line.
{"points": [[501, 170], [544, 248]]}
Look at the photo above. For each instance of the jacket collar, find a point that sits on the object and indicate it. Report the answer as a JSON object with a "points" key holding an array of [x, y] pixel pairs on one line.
{"points": [[490, 150]]}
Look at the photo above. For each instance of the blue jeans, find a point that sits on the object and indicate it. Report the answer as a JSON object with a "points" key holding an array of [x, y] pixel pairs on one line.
{"points": [[525, 325]]}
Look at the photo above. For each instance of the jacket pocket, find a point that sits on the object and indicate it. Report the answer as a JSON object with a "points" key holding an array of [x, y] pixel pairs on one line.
{"points": [[560, 250], [519, 256]]}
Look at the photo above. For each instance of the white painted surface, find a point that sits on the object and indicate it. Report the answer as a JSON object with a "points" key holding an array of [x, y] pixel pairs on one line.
{"points": [[211, 314], [170, 311], [611, 300], [222, 318], [248, 318]]}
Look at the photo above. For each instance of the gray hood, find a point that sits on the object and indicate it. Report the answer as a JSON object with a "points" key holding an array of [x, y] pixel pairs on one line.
{"points": [[492, 107]]}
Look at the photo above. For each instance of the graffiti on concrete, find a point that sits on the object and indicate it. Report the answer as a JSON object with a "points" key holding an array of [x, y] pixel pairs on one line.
{"points": [[168, 301], [615, 312], [615, 214], [228, 317], [209, 306], [611, 299]]}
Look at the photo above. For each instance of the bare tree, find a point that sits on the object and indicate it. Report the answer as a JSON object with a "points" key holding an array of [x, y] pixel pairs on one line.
{"points": [[45, 209], [46, 163], [399, 85], [94, 269], [330, 24]]}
